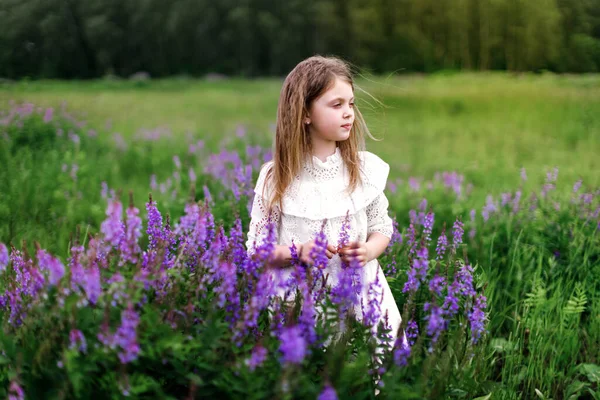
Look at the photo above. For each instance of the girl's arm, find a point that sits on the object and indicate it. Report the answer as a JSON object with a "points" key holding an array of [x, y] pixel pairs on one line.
{"points": [[376, 245]]}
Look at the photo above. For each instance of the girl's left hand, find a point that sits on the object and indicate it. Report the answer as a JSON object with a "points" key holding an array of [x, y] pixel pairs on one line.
{"points": [[358, 251]]}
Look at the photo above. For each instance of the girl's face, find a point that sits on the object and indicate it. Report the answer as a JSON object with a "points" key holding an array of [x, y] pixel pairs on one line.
{"points": [[330, 117]]}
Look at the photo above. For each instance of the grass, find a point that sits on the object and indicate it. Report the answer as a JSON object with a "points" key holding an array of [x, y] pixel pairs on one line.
{"points": [[486, 126]]}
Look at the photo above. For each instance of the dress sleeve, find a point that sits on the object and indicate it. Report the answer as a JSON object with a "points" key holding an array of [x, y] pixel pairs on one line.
{"points": [[260, 217], [378, 219]]}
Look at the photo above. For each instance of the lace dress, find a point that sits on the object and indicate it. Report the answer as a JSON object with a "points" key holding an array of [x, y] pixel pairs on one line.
{"points": [[318, 193]]}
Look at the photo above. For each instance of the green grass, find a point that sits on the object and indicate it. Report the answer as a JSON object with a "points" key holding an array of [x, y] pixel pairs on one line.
{"points": [[486, 126]]}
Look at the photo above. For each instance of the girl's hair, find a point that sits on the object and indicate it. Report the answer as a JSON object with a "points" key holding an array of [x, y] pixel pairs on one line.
{"points": [[303, 85]]}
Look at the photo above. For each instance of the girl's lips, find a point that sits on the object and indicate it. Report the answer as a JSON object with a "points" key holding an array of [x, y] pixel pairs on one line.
{"points": [[347, 126]]}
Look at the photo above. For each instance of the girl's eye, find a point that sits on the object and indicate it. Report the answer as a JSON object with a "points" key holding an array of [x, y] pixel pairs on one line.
{"points": [[337, 105], [351, 104]]}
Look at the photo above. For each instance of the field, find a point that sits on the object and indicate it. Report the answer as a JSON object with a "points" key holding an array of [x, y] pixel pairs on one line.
{"points": [[514, 157]]}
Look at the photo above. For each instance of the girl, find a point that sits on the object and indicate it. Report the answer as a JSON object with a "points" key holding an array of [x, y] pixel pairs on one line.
{"points": [[320, 172]]}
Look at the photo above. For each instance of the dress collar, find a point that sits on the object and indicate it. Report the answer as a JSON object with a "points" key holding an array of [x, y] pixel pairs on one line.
{"points": [[331, 161]]}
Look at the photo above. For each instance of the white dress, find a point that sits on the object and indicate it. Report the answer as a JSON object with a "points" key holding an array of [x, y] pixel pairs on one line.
{"points": [[317, 193]]}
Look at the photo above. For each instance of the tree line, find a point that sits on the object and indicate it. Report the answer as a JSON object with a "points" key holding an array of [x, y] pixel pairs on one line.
{"points": [[70, 39]]}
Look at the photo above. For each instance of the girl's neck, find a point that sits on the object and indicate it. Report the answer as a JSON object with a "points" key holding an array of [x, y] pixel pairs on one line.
{"points": [[323, 149]]}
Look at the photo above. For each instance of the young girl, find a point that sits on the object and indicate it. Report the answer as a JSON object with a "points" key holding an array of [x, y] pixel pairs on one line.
{"points": [[320, 172]]}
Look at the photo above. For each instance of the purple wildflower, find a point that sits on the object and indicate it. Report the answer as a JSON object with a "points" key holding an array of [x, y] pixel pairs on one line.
{"points": [[191, 175], [318, 253], [130, 248], [155, 225], [435, 321], [411, 239], [77, 340], [477, 318], [442, 244], [126, 335], [577, 186], [257, 358], [3, 257], [328, 393], [48, 114], [437, 284], [552, 176], [372, 315], [402, 354], [177, 161], [428, 226], [112, 226], [52, 265], [457, 235], [515, 202], [489, 208], [78, 276], [15, 392], [92, 284], [293, 345], [418, 270], [523, 174], [412, 332]]}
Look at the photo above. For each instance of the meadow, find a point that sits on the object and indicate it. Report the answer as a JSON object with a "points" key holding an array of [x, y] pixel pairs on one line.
{"points": [[510, 159]]}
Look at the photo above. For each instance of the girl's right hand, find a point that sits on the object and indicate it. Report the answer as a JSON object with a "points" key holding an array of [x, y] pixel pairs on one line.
{"points": [[306, 248]]}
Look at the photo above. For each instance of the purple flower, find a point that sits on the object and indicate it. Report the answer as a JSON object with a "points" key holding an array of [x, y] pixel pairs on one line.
{"points": [[396, 235], [477, 318], [442, 244], [577, 186], [48, 114], [401, 354], [437, 284], [435, 321], [457, 235], [489, 208], [3, 257], [177, 162], [418, 270], [414, 184], [257, 358], [411, 239], [192, 175], [52, 265], [77, 340], [328, 393], [155, 225], [207, 194], [293, 345], [523, 174], [505, 197], [552, 176], [318, 253], [112, 227], [126, 335], [130, 248], [428, 226], [462, 285], [92, 284], [15, 392], [372, 315], [78, 276], [412, 332], [515, 202]]}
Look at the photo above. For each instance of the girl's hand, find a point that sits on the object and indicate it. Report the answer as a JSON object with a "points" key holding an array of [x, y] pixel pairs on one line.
{"points": [[358, 251], [306, 248]]}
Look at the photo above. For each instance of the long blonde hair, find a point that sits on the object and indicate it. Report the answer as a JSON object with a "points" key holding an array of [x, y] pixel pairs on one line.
{"points": [[304, 84]]}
